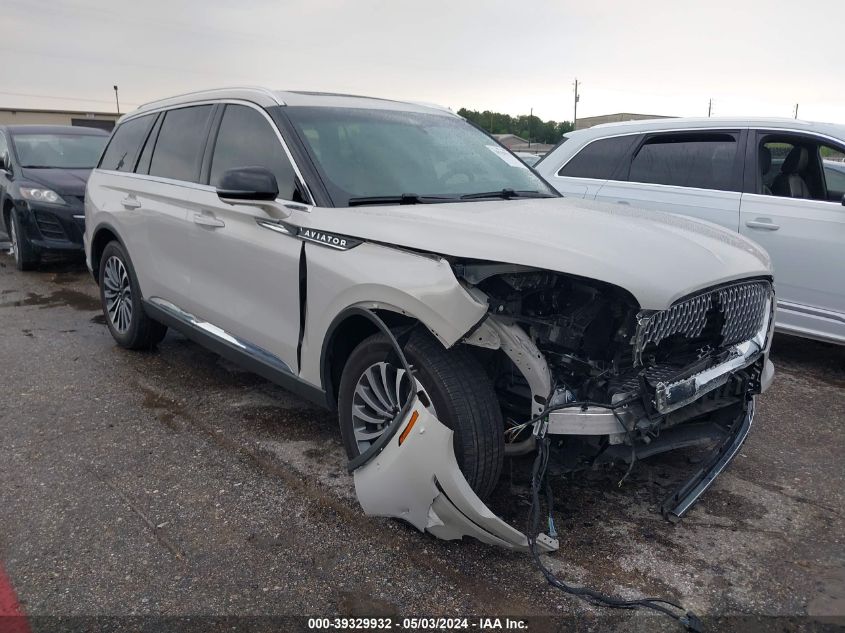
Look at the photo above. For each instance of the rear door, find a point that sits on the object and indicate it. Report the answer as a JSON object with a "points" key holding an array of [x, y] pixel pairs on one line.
{"points": [[246, 276], [805, 236], [168, 174], [694, 173]]}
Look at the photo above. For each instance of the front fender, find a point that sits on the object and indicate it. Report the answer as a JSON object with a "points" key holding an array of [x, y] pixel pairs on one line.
{"points": [[380, 277]]}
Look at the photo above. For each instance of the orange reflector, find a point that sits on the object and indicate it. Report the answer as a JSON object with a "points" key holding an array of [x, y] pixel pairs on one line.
{"points": [[408, 428]]}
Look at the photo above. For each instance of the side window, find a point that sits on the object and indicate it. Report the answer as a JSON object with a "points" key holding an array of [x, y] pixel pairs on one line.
{"points": [[833, 164], [125, 143], [800, 166], [246, 139], [705, 161], [180, 143], [599, 159], [143, 166]]}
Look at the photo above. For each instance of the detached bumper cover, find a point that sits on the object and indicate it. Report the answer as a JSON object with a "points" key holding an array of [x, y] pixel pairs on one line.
{"points": [[416, 478]]}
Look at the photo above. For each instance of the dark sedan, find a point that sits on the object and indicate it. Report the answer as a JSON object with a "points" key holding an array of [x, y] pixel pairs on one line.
{"points": [[43, 171]]}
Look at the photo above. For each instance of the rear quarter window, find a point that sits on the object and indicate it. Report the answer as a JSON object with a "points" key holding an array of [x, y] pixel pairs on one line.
{"points": [[125, 144], [599, 159]]}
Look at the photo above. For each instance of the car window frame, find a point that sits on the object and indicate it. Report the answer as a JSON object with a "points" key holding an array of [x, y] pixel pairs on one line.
{"points": [[751, 184], [111, 140], [625, 158], [737, 169]]}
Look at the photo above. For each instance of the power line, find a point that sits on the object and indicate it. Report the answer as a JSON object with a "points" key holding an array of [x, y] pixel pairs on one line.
{"points": [[61, 97]]}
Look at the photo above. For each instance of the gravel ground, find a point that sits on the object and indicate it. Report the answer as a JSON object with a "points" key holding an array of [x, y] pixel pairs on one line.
{"points": [[173, 483]]}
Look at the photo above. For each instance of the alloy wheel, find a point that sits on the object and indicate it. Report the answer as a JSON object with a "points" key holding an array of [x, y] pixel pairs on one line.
{"points": [[118, 294], [379, 394]]}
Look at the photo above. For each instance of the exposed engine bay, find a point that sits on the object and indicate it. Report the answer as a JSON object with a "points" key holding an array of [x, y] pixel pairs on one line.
{"points": [[612, 378]]}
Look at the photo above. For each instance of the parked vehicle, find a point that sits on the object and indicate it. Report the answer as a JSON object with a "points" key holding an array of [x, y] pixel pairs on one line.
{"points": [[779, 182], [43, 170], [528, 158], [263, 224]]}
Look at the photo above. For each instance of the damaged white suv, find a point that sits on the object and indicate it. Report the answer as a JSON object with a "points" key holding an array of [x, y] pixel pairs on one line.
{"points": [[332, 243]]}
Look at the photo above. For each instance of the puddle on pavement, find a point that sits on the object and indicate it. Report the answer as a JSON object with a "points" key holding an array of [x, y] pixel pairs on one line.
{"points": [[100, 319], [167, 409], [71, 298]]}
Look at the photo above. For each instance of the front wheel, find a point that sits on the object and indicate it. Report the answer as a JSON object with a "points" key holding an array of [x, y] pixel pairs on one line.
{"points": [[25, 256], [451, 384], [121, 299]]}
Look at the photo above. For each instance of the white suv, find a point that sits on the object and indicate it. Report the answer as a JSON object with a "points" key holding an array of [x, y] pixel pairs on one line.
{"points": [[270, 226], [779, 182]]}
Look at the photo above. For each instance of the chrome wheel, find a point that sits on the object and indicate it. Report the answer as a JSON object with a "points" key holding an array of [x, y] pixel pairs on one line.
{"points": [[379, 394], [118, 294]]}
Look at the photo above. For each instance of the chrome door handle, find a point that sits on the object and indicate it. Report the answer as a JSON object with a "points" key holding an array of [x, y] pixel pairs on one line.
{"points": [[206, 219], [131, 203], [759, 224]]}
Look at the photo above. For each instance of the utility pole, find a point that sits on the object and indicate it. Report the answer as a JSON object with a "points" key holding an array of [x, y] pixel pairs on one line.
{"points": [[709, 107], [575, 110], [530, 121], [116, 100], [796, 110]]}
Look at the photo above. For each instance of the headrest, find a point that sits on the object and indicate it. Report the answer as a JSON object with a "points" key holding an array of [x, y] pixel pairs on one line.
{"points": [[765, 159], [796, 161]]}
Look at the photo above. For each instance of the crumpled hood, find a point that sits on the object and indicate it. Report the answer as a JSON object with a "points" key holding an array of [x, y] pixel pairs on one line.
{"points": [[63, 181], [657, 257]]}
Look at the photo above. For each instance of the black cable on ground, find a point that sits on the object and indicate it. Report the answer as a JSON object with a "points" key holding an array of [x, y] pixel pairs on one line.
{"points": [[689, 620]]}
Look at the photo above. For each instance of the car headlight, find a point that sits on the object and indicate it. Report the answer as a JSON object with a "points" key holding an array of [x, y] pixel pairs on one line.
{"points": [[41, 195]]}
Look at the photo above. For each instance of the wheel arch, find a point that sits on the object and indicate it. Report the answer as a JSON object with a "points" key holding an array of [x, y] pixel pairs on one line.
{"points": [[344, 334], [103, 234]]}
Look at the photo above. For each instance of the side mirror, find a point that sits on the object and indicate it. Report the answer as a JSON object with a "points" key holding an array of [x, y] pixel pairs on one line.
{"points": [[247, 184]]}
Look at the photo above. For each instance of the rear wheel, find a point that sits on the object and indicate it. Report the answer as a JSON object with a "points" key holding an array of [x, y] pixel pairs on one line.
{"points": [[452, 385], [121, 299], [25, 256]]}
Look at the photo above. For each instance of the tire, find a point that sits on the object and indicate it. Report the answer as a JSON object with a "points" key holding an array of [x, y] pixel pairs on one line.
{"points": [[128, 323], [458, 389], [25, 256]]}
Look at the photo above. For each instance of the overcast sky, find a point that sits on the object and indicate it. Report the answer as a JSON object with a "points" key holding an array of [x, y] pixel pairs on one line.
{"points": [[752, 57]]}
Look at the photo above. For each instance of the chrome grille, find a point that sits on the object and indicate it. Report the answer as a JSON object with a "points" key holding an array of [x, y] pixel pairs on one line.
{"points": [[740, 308]]}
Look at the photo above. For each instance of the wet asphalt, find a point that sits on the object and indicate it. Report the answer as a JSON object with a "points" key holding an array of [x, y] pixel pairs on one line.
{"points": [[174, 483]]}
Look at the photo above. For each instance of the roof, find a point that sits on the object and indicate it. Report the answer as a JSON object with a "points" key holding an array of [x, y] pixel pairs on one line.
{"points": [[632, 127], [54, 111], [55, 129], [502, 137], [267, 98]]}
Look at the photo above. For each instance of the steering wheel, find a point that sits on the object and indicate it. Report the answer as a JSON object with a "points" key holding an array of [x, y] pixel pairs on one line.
{"points": [[457, 167]]}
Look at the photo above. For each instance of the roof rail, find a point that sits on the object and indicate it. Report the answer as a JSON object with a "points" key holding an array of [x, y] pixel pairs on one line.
{"points": [[176, 98]]}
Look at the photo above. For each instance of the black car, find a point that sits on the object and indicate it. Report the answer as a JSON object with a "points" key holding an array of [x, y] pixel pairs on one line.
{"points": [[43, 171]]}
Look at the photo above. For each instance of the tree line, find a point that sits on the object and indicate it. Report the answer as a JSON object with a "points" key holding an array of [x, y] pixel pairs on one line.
{"points": [[528, 127]]}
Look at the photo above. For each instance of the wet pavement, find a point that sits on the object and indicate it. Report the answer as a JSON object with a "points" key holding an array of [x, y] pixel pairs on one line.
{"points": [[174, 483]]}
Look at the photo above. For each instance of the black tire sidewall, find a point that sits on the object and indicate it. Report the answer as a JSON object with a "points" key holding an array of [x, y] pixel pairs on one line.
{"points": [[25, 256], [376, 349], [130, 337]]}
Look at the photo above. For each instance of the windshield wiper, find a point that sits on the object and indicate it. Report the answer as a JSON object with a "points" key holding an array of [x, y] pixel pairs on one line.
{"points": [[405, 198], [506, 194]]}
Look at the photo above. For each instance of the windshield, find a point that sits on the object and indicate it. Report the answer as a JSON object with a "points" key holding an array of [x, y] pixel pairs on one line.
{"points": [[362, 153], [64, 151]]}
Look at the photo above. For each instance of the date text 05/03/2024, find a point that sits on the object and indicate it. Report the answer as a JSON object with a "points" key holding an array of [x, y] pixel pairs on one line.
{"points": [[418, 624]]}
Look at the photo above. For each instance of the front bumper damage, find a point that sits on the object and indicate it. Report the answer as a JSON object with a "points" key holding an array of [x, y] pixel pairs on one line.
{"points": [[416, 477]]}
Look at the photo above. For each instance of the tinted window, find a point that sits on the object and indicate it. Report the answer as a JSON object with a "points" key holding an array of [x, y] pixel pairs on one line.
{"points": [[143, 166], [833, 161], [180, 143], [246, 139], [599, 159], [703, 160], [126, 143]]}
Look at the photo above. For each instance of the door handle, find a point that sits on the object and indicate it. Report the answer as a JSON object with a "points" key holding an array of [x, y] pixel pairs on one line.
{"points": [[131, 203], [766, 225], [625, 202], [206, 219]]}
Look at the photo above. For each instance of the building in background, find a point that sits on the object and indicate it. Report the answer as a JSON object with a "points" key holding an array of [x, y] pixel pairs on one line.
{"points": [[26, 116], [589, 121], [518, 144]]}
